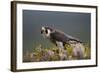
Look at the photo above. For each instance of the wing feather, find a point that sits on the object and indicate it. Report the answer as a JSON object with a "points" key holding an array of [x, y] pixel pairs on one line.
{"points": [[62, 37]]}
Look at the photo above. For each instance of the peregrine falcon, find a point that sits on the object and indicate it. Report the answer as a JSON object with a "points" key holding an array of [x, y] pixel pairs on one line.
{"points": [[59, 38]]}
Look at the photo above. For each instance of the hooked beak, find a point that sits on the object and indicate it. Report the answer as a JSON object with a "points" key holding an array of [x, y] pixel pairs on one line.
{"points": [[42, 31]]}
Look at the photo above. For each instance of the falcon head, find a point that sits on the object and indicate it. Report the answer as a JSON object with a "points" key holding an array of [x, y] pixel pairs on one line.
{"points": [[46, 31]]}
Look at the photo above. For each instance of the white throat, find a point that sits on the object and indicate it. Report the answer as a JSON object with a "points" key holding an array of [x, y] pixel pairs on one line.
{"points": [[48, 34]]}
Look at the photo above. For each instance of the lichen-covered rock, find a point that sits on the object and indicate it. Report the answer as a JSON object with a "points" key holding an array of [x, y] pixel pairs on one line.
{"points": [[52, 54]]}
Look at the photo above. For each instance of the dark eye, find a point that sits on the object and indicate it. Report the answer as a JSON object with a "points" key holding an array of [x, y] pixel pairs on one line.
{"points": [[46, 31]]}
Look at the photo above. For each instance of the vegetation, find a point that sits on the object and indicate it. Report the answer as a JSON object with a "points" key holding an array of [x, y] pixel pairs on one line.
{"points": [[52, 54]]}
